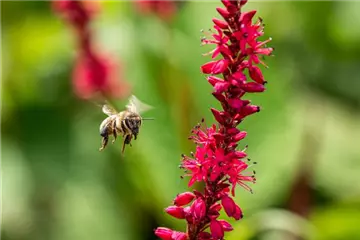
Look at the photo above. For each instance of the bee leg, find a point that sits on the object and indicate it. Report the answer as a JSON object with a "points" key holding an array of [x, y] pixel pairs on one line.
{"points": [[114, 132], [104, 142], [127, 140], [123, 146]]}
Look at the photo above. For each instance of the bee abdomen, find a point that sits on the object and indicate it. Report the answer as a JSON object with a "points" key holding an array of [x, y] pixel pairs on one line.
{"points": [[125, 127], [104, 132]]}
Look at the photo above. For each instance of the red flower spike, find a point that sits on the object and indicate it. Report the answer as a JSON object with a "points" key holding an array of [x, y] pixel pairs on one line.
{"points": [[164, 233], [175, 211], [216, 229], [184, 198], [217, 163]]}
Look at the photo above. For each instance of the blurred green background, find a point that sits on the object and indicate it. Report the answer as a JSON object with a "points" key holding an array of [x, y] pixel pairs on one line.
{"points": [[57, 185]]}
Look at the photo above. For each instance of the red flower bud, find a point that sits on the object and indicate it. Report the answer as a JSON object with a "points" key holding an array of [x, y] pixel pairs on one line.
{"points": [[215, 207], [216, 229], [220, 23], [223, 12], [183, 198], [243, 2], [240, 154], [256, 75], [217, 116], [233, 131], [207, 67], [219, 97], [249, 109], [239, 76], [198, 209], [215, 67], [238, 213], [187, 210], [230, 5], [213, 80], [235, 103], [175, 211], [164, 233], [179, 236], [229, 205], [264, 51], [220, 87], [246, 17], [239, 136], [225, 225], [253, 87]]}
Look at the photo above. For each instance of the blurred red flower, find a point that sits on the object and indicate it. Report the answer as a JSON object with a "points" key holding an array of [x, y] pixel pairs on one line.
{"points": [[94, 73], [165, 9]]}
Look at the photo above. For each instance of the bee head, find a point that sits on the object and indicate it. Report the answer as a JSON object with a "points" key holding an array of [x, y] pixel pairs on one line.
{"points": [[133, 122]]}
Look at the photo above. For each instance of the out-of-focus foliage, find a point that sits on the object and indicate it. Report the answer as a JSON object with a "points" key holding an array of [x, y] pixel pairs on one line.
{"points": [[56, 185]]}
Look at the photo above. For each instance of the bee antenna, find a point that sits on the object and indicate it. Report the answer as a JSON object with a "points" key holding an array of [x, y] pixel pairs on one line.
{"points": [[148, 118]]}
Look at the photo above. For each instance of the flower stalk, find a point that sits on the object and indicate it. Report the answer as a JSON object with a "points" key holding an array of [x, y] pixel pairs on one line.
{"points": [[217, 161]]}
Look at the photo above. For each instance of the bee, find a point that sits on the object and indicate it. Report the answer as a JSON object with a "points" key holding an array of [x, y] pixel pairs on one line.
{"points": [[126, 123]]}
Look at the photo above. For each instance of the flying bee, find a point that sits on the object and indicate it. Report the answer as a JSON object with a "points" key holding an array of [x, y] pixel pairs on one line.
{"points": [[126, 123]]}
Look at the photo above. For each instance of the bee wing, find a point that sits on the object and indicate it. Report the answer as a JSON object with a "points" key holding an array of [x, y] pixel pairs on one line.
{"points": [[136, 106], [105, 106], [108, 109]]}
